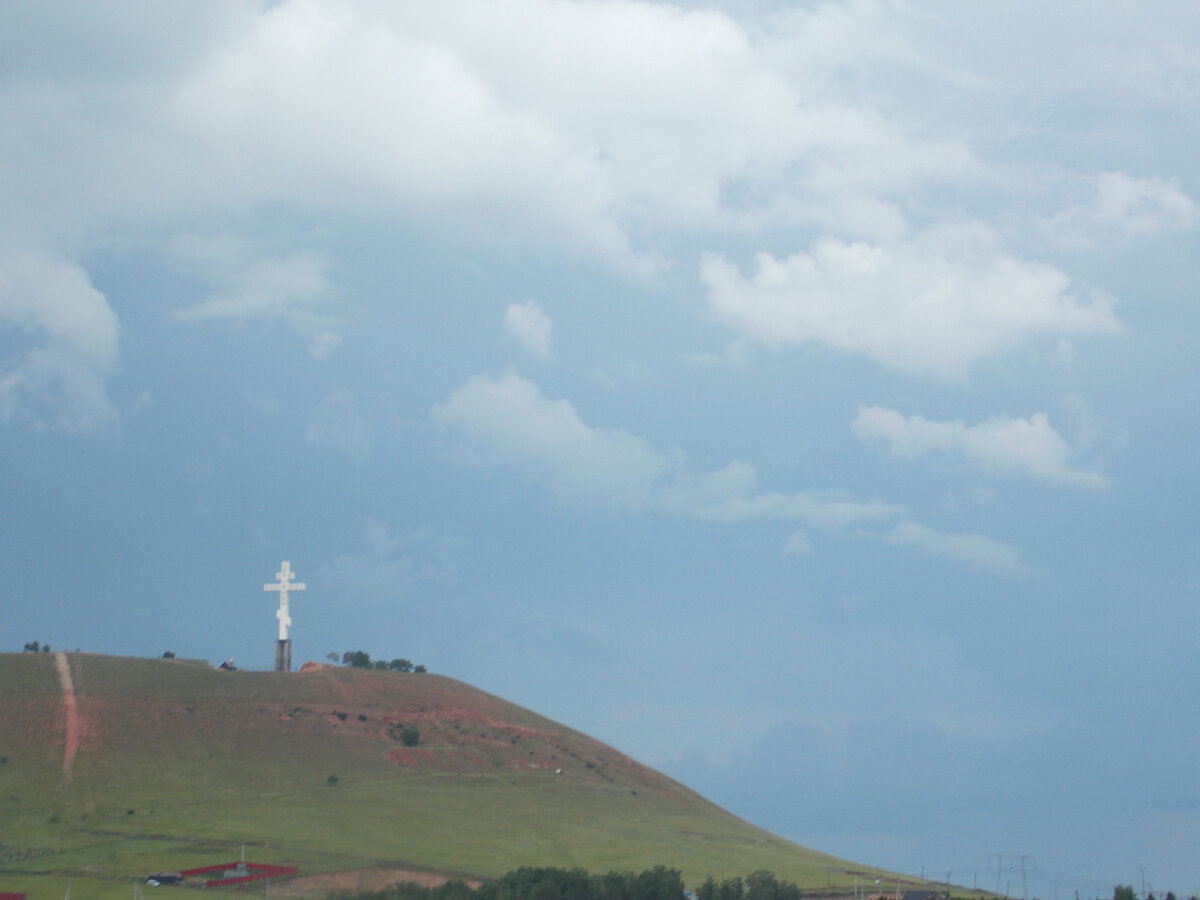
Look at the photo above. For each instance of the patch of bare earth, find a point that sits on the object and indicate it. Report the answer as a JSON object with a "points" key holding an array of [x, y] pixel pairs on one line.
{"points": [[357, 880]]}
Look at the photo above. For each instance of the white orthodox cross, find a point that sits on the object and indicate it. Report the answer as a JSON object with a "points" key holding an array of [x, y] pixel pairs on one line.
{"points": [[285, 576]]}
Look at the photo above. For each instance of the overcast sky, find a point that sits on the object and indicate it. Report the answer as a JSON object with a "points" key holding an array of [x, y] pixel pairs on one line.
{"points": [[802, 398]]}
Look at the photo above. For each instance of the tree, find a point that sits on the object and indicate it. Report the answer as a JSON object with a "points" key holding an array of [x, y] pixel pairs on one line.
{"points": [[332, 656], [400, 665], [358, 659], [167, 654], [33, 647], [419, 669], [410, 736], [1124, 892]]}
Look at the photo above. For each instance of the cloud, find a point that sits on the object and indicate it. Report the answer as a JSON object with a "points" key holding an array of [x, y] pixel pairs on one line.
{"points": [[1118, 208], [290, 287], [731, 495], [933, 304], [1027, 446], [542, 122], [265, 288], [508, 421], [975, 550], [531, 327], [61, 379], [336, 423]]}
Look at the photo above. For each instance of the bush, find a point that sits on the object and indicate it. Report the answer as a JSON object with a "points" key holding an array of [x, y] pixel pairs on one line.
{"points": [[410, 736]]}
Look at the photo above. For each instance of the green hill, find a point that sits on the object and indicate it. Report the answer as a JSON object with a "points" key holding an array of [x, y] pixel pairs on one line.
{"points": [[175, 764]]}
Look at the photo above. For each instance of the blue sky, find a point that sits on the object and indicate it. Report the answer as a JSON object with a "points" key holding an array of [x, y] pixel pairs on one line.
{"points": [[799, 397]]}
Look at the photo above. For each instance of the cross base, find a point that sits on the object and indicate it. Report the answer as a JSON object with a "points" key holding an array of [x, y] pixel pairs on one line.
{"points": [[283, 656]]}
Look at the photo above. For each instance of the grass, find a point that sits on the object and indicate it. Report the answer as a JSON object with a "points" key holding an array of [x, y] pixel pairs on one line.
{"points": [[179, 764]]}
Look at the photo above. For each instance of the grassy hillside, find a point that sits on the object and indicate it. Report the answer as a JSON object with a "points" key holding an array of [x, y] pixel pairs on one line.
{"points": [[178, 764]]}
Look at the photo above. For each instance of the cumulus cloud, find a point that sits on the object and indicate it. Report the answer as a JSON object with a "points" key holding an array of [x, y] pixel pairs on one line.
{"points": [[531, 327], [61, 379], [508, 421], [975, 550], [731, 495], [1119, 207], [291, 288], [262, 289], [1028, 446], [542, 122], [934, 304]]}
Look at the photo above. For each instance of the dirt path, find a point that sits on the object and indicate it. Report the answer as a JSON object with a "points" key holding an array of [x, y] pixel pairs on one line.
{"points": [[68, 689]]}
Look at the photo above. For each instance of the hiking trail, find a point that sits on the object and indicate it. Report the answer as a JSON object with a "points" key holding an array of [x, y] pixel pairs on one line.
{"points": [[72, 712]]}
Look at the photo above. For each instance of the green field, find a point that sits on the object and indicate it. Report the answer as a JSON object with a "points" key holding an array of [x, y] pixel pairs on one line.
{"points": [[180, 764]]}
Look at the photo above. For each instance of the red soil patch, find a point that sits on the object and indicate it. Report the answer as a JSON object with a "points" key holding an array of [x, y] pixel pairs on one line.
{"points": [[358, 880], [400, 757]]}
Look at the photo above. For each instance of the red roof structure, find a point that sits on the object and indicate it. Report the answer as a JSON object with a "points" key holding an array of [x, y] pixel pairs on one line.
{"points": [[238, 872]]}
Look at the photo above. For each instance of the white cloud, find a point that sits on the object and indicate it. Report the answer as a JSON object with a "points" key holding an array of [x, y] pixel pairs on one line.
{"points": [[531, 327], [731, 495], [255, 287], [508, 421], [934, 304], [264, 288], [336, 423], [594, 127], [1029, 446], [1118, 208], [61, 379], [975, 550]]}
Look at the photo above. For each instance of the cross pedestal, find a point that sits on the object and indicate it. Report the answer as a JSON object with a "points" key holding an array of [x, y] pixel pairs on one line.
{"points": [[283, 656]]}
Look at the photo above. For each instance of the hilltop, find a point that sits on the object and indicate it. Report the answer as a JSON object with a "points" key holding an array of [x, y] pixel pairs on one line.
{"points": [[160, 764]]}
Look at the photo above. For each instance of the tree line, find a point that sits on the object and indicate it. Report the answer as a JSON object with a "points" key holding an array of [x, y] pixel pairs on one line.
{"points": [[360, 659], [528, 883]]}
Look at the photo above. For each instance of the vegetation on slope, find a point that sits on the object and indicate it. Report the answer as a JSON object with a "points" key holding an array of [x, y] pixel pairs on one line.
{"points": [[319, 769]]}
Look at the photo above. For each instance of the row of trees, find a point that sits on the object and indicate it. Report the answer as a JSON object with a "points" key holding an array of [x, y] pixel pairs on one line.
{"points": [[1126, 892], [35, 647], [360, 659], [760, 885], [529, 883]]}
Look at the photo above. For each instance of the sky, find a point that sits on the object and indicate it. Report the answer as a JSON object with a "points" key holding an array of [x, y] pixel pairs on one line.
{"points": [[800, 397]]}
